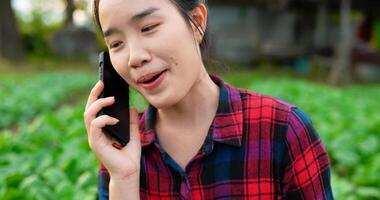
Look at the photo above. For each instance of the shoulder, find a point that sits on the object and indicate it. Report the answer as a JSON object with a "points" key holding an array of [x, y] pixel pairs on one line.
{"points": [[281, 121], [269, 111], [264, 107]]}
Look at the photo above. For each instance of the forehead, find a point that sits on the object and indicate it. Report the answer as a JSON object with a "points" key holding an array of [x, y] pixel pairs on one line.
{"points": [[127, 8]]}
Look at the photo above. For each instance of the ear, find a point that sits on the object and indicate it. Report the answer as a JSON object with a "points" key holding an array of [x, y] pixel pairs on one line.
{"points": [[199, 15]]}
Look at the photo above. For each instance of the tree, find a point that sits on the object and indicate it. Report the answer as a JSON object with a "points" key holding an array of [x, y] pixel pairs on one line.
{"points": [[70, 8], [11, 46], [340, 73], [72, 40]]}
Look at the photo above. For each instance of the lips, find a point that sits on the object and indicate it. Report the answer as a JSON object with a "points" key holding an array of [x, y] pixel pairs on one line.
{"points": [[150, 77]]}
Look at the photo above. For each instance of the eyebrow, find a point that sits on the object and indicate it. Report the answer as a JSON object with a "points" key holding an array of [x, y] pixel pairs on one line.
{"points": [[135, 18]]}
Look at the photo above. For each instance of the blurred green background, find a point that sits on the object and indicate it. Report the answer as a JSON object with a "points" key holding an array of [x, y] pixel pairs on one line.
{"points": [[320, 55]]}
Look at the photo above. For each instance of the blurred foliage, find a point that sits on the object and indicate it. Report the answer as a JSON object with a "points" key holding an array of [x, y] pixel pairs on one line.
{"points": [[49, 158], [36, 34], [348, 122], [38, 26], [28, 96]]}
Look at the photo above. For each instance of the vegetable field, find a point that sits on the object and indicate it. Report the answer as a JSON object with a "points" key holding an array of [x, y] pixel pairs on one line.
{"points": [[44, 152]]}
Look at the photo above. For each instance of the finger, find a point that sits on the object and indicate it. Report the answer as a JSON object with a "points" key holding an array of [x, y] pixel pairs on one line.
{"points": [[134, 125], [95, 107], [91, 113], [133, 148], [99, 123], [96, 136], [95, 92]]}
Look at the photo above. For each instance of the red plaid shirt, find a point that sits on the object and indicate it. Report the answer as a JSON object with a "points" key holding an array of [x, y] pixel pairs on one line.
{"points": [[257, 147]]}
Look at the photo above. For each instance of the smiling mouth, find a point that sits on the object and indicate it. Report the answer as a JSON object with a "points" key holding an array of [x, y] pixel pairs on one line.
{"points": [[153, 78]]}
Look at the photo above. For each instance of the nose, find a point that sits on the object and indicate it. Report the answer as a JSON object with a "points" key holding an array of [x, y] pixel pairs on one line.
{"points": [[138, 55]]}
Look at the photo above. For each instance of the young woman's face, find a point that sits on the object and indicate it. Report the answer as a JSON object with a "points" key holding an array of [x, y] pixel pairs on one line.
{"points": [[147, 38]]}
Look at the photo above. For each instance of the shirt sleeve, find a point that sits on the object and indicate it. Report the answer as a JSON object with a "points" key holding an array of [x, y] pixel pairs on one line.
{"points": [[103, 183], [307, 165]]}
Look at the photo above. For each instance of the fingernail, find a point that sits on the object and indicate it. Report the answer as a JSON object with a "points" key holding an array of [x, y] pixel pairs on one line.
{"points": [[117, 146]]}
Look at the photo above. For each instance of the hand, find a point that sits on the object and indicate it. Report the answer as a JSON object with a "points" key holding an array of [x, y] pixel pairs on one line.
{"points": [[121, 163]]}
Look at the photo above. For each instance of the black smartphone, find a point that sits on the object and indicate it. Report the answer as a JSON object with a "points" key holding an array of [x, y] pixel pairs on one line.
{"points": [[116, 86]]}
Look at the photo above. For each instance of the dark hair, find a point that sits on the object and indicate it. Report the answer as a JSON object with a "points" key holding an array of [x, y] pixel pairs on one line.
{"points": [[184, 7]]}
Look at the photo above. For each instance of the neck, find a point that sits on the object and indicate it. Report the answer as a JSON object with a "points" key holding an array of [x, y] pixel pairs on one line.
{"points": [[195, 108]]}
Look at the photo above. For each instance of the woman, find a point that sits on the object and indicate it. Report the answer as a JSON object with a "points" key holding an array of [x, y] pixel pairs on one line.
{"points": [[199, 138]]}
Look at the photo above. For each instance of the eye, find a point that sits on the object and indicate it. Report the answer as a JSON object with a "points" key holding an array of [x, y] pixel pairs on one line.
{"points": [[149, 28], [115, 44]]}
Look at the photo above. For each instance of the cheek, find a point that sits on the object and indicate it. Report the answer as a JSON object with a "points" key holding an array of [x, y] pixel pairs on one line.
{"points": [[121, 68], [175, 40]]}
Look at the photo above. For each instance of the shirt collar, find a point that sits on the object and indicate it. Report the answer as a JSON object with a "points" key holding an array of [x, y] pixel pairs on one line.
{"points": [[227, 126]]}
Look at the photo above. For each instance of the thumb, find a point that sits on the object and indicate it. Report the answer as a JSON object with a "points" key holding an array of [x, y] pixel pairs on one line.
{"points": [[134, 124]]}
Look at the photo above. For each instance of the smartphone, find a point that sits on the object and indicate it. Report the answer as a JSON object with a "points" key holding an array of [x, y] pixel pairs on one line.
{"points": [[116, 86]]}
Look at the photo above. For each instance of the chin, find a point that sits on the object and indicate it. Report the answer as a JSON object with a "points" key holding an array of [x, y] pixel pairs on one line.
{"points": [[162, 105], [161, 102]]}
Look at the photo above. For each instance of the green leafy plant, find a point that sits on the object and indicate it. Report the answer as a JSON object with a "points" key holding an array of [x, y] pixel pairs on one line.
{"points": [[48, 157], [23, 97], [348, 122]]}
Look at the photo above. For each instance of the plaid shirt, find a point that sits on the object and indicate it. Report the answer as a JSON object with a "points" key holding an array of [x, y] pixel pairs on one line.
{"points": [[257, 147]]}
